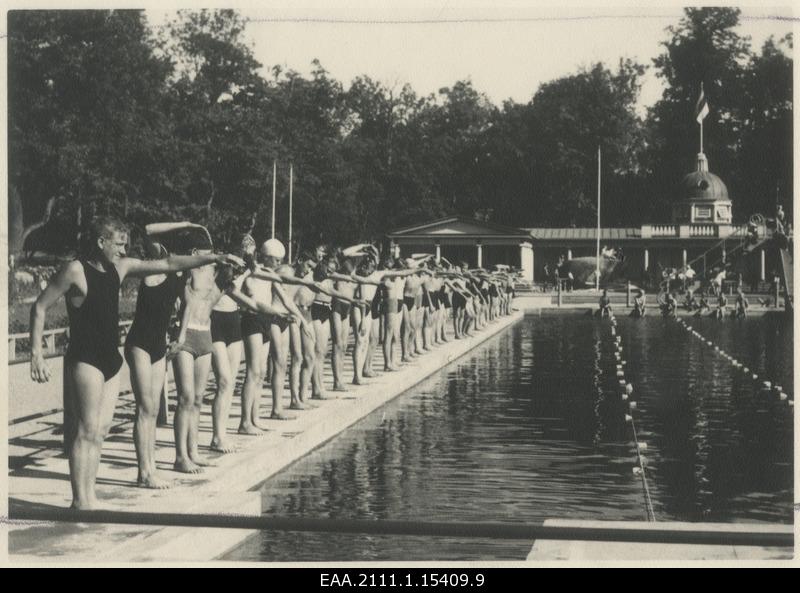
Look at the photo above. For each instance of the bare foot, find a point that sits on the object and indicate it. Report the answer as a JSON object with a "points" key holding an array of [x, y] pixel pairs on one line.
{"points": [[201, 461], [281, 416], [219, 446], [153, 482], [323, 396], [186, 466], [339, 387], [250, 430], [369, 374], [89, 505], [297, 406], [357, 381]]}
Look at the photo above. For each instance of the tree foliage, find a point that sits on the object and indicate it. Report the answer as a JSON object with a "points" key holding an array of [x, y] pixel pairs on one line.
{"points": [[106, 115]]}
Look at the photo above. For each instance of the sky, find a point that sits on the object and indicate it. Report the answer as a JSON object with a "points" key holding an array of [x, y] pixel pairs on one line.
{"points": [[507, 48]]}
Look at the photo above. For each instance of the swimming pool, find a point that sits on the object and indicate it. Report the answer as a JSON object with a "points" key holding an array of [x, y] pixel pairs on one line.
{"points": [[530, 426]]}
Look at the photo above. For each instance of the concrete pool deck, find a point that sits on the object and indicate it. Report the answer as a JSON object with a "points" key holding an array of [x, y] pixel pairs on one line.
{"points": [[593, 551], [39, 476]]}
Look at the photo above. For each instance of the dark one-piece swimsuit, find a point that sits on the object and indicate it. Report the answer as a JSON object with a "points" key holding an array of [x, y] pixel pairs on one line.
{"points": [[154, 308], [94, 325]]}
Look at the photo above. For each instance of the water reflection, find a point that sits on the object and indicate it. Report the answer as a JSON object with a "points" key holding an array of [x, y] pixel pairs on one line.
{"points": [[529, 427]]}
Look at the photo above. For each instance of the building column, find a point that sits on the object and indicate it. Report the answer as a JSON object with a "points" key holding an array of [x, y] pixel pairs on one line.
{"points": [[480, 253], [684, 254], [395, 250], [646, 259], [724, 253], [569, 253], [526, 260], [763, 269], [438, 252]]}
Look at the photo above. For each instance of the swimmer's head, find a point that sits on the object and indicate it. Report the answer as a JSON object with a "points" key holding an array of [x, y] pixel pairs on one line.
{"points": [[106, 237], [272, 253], [304, 264], [321, 271], [224, 277], [366, 266]]}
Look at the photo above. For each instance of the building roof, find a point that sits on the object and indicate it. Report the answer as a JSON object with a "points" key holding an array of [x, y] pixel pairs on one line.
{"points": [[702, 185], [455, 226], [578, 234]]}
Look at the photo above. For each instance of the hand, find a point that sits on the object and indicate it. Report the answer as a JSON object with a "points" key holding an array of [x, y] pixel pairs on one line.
{"points": [[173, 348], [306, 328], [40, 372], [228, 259]]}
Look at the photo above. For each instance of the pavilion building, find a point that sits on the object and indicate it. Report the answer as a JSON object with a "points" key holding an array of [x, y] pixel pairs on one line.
{"points": [[701, 234]]}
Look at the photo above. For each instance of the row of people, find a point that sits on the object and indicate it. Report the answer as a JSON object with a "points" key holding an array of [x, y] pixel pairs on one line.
{"points": [[254, 306]]}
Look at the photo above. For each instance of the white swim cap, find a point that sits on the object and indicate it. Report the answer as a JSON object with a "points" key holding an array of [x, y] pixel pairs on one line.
{"points": [[274, 248]]}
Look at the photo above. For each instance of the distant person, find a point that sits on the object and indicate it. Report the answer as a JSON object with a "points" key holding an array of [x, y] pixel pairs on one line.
{"points": [[90, 286], [780, 220], [722, 306], [670, 306], [639, 304], [690, 302], [702, 305], [741, 305]]}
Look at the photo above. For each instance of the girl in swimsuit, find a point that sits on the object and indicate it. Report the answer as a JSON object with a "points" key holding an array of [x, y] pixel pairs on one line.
{"points": [[145, 353]]}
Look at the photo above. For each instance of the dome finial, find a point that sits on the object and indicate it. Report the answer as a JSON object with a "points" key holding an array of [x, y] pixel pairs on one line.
{"points": [[702, 163]]}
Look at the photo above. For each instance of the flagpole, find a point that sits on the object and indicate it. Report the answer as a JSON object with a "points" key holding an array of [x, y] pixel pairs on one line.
{"points": [[274, 173], [597, 273], [702, 94], [291, 185]]}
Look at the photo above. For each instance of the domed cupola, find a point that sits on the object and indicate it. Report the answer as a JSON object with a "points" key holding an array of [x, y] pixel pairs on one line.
{"points": [[704, 197]]}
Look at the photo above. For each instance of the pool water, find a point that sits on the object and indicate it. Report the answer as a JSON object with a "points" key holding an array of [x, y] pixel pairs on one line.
{"points": [[530, 426]]}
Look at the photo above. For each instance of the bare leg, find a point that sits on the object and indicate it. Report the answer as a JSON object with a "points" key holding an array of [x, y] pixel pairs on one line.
{"points": [[225, 362], [391, 334], [279, 348], [202, 365], [93, 398], [296, 350], [372, 343], [309, 345], [254, 376], [337, 352], [362, 329], [183, 369], [322, 331], [146, 381]]}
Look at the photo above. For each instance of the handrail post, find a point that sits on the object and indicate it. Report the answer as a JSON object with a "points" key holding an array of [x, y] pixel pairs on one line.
{"points": [[628, 294]]}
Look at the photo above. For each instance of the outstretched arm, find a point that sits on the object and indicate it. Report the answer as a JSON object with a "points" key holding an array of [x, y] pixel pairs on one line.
{"points": [[58, 286], [130, 266], [158, 228], [254, 305], [319, 287]]}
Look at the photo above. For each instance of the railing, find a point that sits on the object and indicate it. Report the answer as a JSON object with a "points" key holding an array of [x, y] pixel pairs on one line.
{"points": [[659, 230], [703, 230], [49, 341]]}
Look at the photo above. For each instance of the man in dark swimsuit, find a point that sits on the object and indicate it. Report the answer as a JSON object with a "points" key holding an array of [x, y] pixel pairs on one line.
{"points": [[90, 286]]}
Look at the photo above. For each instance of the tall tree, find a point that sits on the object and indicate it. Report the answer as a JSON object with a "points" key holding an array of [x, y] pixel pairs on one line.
{"points": [[85, 115], [703, 48]]}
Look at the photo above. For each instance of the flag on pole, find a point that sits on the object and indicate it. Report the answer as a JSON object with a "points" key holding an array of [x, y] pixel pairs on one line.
{"points": [[701, 108]]}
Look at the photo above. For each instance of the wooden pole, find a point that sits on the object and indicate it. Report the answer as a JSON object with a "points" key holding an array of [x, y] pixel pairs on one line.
{"points": [[274, 175], [597, 274], [291, 185]]}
